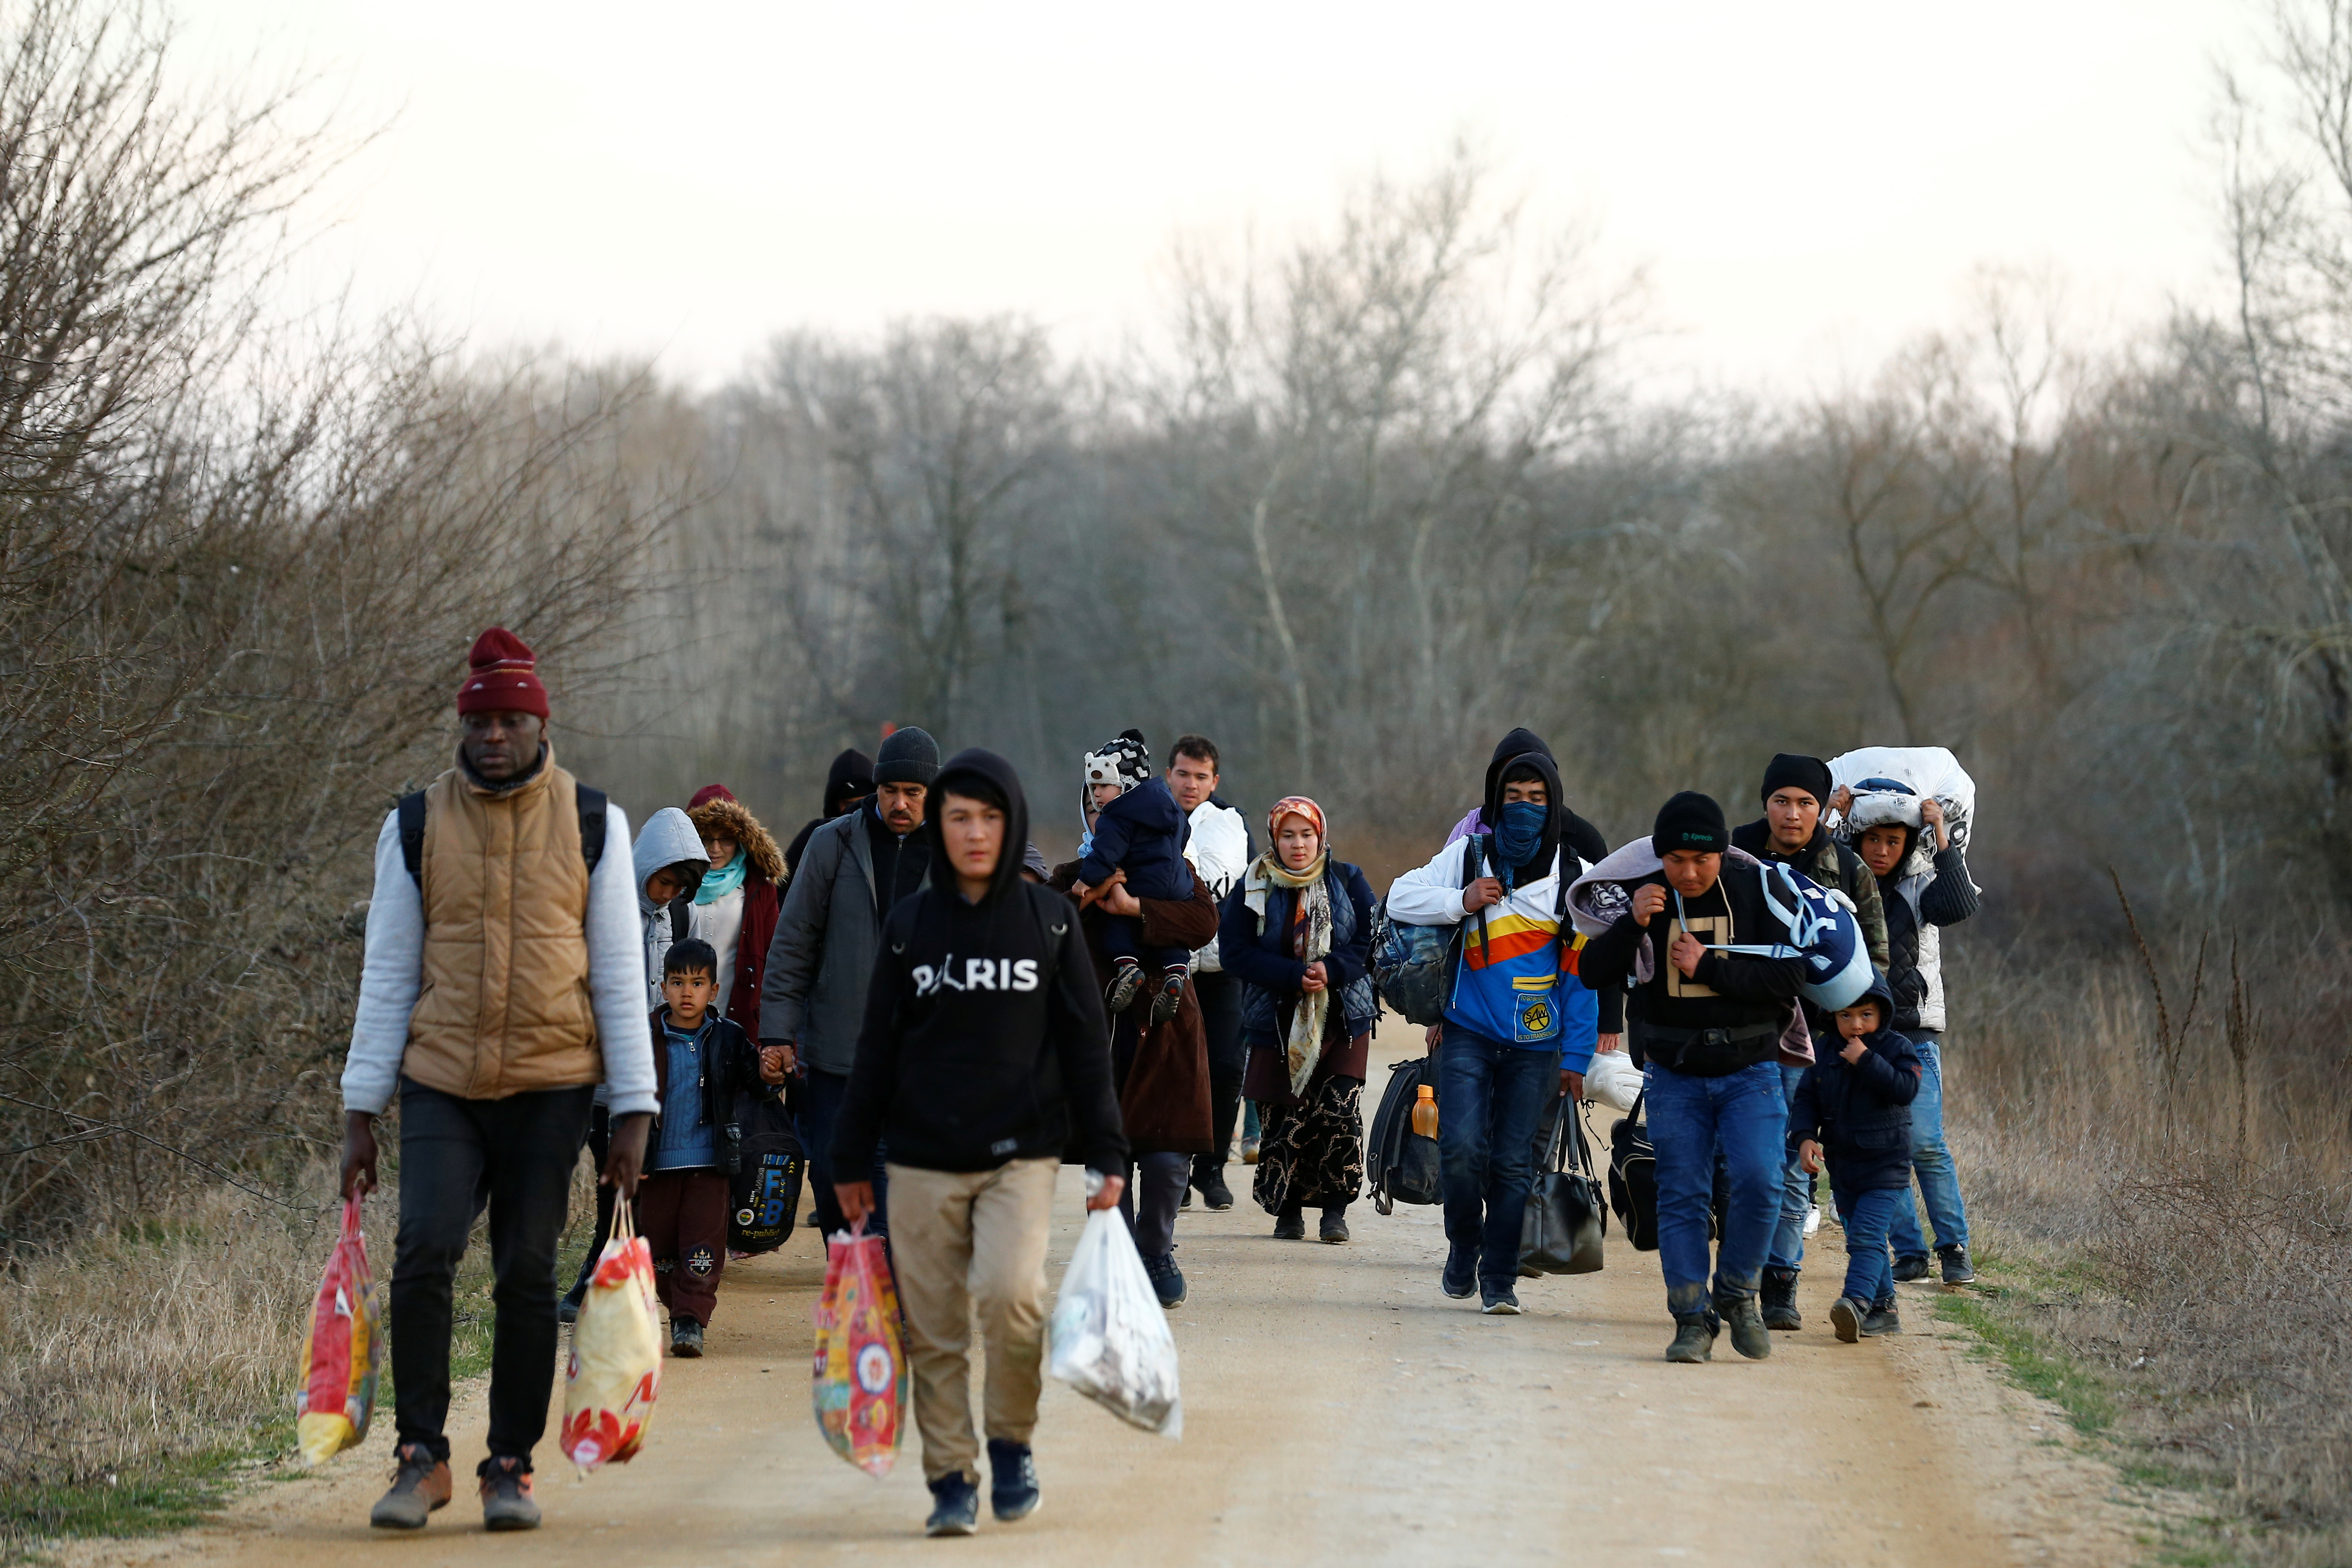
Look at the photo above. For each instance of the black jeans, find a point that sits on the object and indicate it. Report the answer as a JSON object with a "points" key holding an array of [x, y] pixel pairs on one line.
{"points": [[1221, 1019], [520, 1150], [820, 1107]]}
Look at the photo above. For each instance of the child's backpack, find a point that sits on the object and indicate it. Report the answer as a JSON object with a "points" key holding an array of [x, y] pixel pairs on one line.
{"points": [[1412, 965], [765, 1172], [1402, 1165]]}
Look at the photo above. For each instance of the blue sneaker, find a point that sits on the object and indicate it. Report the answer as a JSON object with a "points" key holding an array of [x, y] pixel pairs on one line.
{"points": [[1012, 1480], [955, 1506]]}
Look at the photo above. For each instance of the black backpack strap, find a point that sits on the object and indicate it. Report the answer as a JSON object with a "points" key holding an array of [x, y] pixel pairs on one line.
{"points": [[681, 916], [592, 824], [412, 837]]}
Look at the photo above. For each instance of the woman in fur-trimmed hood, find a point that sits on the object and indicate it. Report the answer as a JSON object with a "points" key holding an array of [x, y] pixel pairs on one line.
{"points": [[735, 908]]}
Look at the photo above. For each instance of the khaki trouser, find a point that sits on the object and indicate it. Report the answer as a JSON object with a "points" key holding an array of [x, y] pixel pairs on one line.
{"points": [[961, 1238]]}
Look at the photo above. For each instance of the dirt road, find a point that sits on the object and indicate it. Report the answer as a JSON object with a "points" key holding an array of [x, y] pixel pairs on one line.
{"points": [[1338, 1409]]}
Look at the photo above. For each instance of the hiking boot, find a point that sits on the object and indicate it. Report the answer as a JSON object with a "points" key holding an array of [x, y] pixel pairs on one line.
{"points": [[506, 1495], [1290, 1225], [1215, 1196], [1167, 1279], [1460, 1276], [1779, 1300], [1011, 1481], [955, 1506], [420, 1483], [1882, 1319], [1957, 1270], [1125, 980], [1334, 1228], [567, 1310], [1168, 998], [1845, 1318], [1910, 1265], [685, 1338], [1498, 1304], [1694, 1337], [1749, 1336]]}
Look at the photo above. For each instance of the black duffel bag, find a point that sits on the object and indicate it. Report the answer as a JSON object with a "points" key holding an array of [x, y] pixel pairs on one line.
{"points": [[1634, 1178], [1565, 1221], [1403, 1163]]}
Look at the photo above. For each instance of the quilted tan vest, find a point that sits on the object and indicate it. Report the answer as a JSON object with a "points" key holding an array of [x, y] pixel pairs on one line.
{"points": [[505, 1007]]}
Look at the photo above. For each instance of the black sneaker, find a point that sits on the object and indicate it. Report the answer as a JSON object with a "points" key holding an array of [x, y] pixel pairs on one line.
{"points": [[1167, 1279], [567, 1310], [685, 1338], [1779, 1300], [1125, 980], [1498, 1304], [1334, 1228], [1694, 1337], [955, 1506], [1460, 1276], [1845, 1318], [1882, 1319], [1168, 998], [1290, 1225], [1957, 1269], [1011, 1481], [1749, 1336], [1215, 1196], [1911, 1265]]}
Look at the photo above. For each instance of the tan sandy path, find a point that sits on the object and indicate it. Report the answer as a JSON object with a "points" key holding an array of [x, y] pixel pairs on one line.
{"points": [[1338, 1410]]}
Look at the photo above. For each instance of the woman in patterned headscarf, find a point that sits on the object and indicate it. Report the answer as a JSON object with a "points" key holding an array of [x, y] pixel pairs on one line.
{"points": [[1297, 933]]}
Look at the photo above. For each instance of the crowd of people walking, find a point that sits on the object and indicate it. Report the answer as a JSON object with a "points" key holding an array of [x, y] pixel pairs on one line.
{"points": [[943, 1019]]}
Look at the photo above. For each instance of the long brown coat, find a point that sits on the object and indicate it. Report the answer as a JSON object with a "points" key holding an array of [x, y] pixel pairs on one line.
{"points": [[1162, 1074]]}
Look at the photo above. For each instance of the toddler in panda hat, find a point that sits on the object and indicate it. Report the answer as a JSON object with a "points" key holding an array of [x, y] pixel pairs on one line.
{"points": [[1138, 828]]}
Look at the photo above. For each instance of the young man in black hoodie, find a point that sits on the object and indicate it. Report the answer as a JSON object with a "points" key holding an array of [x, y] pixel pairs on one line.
{"points": [[985, 1053], [1709, 1022], [1797, 795]]}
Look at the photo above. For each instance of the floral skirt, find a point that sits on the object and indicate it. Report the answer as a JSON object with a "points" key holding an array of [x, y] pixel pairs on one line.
{"points": [[1312, 1154]]}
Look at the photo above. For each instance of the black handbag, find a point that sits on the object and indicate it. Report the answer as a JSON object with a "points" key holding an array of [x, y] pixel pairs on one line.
{"points": [[1565, 1217]]}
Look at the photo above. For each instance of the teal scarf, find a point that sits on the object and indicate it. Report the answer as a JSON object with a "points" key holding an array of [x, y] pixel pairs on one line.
{"points": [[717, 884]]}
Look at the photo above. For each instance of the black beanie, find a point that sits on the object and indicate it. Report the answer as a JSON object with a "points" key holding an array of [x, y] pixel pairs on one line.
{"points": [[1690, 821], [906, 756], [1789, 771]]}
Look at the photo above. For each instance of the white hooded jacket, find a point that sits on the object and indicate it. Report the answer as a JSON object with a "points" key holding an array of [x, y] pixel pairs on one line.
{"points": [[668, 837]]}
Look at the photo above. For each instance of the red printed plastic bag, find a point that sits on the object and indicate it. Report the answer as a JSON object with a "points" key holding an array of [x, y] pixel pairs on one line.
{"points": [[859, 1382], [341, 1352], [614, 1372]]}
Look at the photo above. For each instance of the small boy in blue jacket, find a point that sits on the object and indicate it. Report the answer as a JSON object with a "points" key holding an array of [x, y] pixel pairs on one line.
{"points": [[1138, 828], [1854, 1108]]}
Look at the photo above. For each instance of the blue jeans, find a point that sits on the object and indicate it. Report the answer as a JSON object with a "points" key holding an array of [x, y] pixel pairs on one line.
{"points": [[1742, 1115], [1795, 1191], [1869, 1278], [1490, 1095], [1931, 1161], [820, 1096]]}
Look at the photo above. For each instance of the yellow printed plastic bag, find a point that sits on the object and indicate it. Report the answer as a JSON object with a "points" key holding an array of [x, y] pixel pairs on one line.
{"points": [[859, 1380], [340, 1353], [615, 1372]]}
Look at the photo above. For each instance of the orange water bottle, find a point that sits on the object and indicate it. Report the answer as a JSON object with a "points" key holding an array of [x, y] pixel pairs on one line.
{"points": [[1424, 1112]]}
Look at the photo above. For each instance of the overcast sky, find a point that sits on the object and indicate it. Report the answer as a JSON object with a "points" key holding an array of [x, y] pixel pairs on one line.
{"points": [[1807, 184]]}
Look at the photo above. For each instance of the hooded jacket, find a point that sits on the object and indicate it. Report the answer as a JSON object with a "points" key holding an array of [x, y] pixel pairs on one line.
{"points": [[1579, 835], [1143, 833], [984, 1037], [1924, 893], [851, 777], [1860, 1111], [667, 839], [763, 898]]}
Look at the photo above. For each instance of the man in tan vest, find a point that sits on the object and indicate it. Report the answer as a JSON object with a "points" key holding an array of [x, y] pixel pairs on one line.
{"points": [[503, 982]]}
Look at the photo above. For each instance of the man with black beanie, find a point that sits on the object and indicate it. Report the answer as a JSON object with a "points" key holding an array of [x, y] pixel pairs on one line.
{"points": [[828, 935], [1796, 796], [1709, 1021]]}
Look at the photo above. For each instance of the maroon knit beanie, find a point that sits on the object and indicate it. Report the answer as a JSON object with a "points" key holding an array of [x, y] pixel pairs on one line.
{"points": [[708, 792], [501, 677]]}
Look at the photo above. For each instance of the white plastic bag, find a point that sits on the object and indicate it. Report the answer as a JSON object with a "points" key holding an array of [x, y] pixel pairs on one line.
{"points": [[1928, 769], [1613, 1080], [1111, 1341]]}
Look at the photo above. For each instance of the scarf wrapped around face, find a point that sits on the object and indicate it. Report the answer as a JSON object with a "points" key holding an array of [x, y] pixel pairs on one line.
{"points": [[1310, 927]]}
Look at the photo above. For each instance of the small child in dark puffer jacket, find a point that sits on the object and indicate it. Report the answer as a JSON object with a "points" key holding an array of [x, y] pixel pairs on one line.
{"points": [[1855, 1107], [1139, 829]]}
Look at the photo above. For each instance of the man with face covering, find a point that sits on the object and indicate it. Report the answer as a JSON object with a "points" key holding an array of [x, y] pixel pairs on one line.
{"points": [[1518, 1028]]}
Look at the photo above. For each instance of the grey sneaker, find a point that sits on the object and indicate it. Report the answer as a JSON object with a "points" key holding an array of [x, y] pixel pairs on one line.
{"points": [[1779, 1300], [1957, 1270], [1126, 981], [1749, 1336], [420, 1483], [955, 1506], [1846, 1317], [685, 1338], [1011, 1481], [506, 1496], [1882, 1319], [1499, 1304], [1694, 1340], [1167, 1279], [1167, 999], [567, 1310]]}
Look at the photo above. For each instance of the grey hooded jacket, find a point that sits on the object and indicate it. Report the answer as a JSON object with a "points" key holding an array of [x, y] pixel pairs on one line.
{"points": [[668, 837], [828, 937]]}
